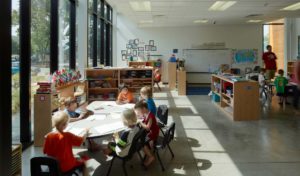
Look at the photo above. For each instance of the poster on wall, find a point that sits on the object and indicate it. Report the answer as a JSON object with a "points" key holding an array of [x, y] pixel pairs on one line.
{"points": [[244, 56]]}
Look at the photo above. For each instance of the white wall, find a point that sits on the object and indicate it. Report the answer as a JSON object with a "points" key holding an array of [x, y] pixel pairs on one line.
{"points": [[294, 37], [168, 38]]}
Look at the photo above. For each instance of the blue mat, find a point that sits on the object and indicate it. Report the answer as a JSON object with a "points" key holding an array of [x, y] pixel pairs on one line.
{"points": [[197, 90]]}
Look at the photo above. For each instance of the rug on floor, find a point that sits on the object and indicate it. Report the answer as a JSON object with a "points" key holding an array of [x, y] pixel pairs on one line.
{"points": [[197, 90]]}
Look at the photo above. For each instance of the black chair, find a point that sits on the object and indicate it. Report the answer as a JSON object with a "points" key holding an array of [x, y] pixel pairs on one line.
{"points": [[136, 146], [256, 69], [162, 116], [51, 167], [163, 141]]}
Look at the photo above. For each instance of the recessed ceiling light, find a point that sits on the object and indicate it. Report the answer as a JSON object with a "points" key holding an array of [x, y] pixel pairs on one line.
{"points": [[146, 21], [292, 7], [140, 6], [254, 21], [201, 21], [221, 5]]}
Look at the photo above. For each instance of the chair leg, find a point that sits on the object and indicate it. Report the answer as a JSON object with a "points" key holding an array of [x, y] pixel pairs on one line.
{"points": [[158, 86], [108, 172], [124, 168], [160, 162], [170, 150]]}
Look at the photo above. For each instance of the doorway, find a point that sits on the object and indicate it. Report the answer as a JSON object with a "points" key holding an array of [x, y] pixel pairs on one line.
{"points": [[274, 35]]}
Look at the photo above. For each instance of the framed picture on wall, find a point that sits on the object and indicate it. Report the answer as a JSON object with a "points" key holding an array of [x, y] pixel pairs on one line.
{"points": [[134, 46], [141, 54], [147, 48], [151, 42], [134, 52], [131, 42], [136, 41], [128, 46], [153, 48], [128, 51], [124, 57], [141, 48], [124, 52]]}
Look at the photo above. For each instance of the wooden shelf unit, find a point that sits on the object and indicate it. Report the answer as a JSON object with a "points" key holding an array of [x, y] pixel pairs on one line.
{"points": [[133, 78], [172, 75], [244, 104], [152, 63], [46, 104], [181, 82]]}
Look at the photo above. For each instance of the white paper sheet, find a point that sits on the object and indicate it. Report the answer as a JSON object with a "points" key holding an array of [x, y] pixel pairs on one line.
{"points": [[109, 128], [96, 117]]}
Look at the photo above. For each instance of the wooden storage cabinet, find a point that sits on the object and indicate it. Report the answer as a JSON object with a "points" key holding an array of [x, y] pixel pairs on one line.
{"points": [[46, 104], [172, 75], [181, 82], [242, 103], [290, 67], [133, 78]]}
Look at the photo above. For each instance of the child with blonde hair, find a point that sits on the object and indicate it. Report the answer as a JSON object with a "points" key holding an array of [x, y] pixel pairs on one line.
{"points": [[59, 144], [147, 96], [122, 143], [71, 106]]}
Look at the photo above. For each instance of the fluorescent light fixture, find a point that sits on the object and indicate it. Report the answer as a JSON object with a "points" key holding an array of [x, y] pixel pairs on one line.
{"points": [[146, 21], [292, 7], [140, 6], [254, 21], [221, 5], [201, 21]]}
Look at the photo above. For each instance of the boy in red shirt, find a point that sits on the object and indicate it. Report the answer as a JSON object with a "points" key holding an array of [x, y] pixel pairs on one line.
{"points": [[269, 59], [150, 124], [59, 144]]}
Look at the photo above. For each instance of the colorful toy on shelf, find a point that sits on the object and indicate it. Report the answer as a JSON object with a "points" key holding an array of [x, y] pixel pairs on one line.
{"points": [[64, 76]]}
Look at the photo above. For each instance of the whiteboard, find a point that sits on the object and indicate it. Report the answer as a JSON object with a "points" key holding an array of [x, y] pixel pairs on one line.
{"points": [[204, 60]]}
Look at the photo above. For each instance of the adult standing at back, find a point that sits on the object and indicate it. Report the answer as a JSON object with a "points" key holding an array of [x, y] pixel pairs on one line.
{"points": [[269, 59]]}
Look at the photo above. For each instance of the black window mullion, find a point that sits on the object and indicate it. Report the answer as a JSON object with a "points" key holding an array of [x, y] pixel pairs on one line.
{"points": [[54, 36], [5, 88], [107, 57], [72, 58], [94, 40], [25, 70], [102, 50]]}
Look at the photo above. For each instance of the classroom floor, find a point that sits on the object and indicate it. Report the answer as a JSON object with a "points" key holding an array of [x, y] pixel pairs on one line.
{"points": [[208, 142]]}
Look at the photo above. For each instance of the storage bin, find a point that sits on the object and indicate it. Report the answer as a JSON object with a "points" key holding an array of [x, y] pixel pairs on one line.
{"points": [[215, 97]]}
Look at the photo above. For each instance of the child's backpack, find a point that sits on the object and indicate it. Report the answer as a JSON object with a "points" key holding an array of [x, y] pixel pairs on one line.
{"points": [[162, 114]]}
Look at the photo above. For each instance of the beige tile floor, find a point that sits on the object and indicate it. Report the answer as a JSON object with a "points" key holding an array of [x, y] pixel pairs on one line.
{"points": [[209, 143]]}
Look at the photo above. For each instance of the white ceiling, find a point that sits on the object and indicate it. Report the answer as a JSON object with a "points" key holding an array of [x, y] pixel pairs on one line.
{"points": [[184, 12]]}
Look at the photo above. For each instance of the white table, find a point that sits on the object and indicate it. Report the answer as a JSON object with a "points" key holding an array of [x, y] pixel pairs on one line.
{"points": [[106, 119]]}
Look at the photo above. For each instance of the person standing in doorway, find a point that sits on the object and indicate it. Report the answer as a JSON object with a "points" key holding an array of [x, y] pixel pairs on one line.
{"points": [[269, 59]]}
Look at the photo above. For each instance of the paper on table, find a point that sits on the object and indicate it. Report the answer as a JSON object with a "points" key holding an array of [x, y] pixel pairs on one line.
{"points": [[76, 131], [108, 128], [96, 117], [115, 115]]}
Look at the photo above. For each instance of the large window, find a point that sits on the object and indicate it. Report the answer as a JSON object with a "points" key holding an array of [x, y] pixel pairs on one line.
{"points": [[100, 30], [40, 45], [15, 69], [67, 34]]}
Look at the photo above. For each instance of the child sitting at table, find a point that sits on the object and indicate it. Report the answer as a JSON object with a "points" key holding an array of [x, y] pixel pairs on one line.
{"points": [[71, 106], [150, 124], [125, 96], [121, 144], [59, 144], [261, 80], [280, 83], [146, 94]]}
